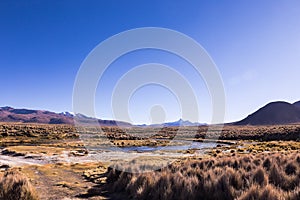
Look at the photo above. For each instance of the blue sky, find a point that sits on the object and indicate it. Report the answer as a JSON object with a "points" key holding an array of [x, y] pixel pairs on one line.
{"points": [[255, 44]]}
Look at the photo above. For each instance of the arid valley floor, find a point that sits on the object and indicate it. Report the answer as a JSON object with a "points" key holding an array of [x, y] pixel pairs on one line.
{"points": [[62, 162]]}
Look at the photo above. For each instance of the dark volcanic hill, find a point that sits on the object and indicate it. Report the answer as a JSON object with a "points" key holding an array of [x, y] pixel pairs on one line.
{"points": [[274, 113], [9, 114], [297, 104]]}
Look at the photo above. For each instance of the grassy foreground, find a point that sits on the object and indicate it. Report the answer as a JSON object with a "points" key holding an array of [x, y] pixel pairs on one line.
{"points": [[243, 177], [258, 163]]}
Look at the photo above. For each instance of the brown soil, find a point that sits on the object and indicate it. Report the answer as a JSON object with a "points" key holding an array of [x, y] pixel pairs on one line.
{"points": [[59, 181]]}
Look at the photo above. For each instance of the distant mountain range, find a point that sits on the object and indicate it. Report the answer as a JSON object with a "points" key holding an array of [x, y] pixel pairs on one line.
{"points": [[180, 122], [9, 114], [279, 112], [274, 113]]}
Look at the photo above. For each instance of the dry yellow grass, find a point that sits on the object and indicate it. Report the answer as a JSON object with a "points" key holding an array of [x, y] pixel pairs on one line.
{"points": [[240, 171], [15, 186], [34, 150], [242, 177]]}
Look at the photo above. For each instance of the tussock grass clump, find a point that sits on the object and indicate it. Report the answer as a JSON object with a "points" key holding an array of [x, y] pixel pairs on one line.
{"points": [[242, 177], [256, 192], [260, 177], [15, 186]]}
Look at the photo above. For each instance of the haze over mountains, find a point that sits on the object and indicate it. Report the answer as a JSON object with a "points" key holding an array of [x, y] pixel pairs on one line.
{"points": [[179, 122], [274, 113]]}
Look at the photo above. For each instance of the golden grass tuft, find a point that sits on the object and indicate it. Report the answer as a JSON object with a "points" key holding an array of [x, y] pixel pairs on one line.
{"points": [[15, 186]]}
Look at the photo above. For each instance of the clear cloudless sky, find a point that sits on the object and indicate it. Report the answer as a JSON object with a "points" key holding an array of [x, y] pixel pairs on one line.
{"points": [[254, 43]]}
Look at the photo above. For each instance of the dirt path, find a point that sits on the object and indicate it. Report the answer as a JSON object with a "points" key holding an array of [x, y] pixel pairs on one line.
{"points": [[62, 181], [53, 177]]}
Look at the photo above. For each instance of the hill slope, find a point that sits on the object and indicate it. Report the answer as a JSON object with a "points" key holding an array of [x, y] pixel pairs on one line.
{"points": [[297, 104], [274, 113], [9, 114]]}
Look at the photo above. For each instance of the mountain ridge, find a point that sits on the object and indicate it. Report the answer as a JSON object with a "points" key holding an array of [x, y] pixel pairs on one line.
{"points": [[179, 122], [23, 115], [273, 113]]}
